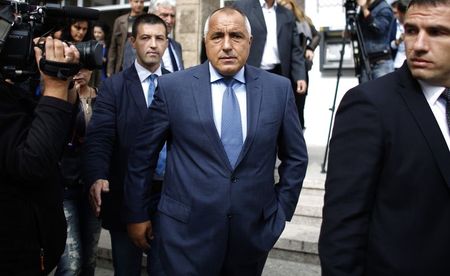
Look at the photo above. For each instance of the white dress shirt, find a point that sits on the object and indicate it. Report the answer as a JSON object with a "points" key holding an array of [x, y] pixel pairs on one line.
{"points": [[270, 57], [438, 106], [167, 61], [217, 90], [143, 75]]}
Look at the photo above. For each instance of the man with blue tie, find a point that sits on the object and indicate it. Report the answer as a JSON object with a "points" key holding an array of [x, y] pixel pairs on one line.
{"points": [[122, 103], [224, 123], [172, 59]]}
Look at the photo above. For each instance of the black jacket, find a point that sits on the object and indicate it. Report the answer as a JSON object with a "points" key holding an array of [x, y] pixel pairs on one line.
{"points": [[32, 223]]}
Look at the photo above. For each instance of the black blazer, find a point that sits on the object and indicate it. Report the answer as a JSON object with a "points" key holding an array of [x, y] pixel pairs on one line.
{"points": [[32, 222], [290, 53], [387, 192], [118, 112]]}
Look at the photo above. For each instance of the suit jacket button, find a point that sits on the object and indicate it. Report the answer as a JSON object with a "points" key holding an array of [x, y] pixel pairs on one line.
{"points": [[229, 216], [234, 179]]}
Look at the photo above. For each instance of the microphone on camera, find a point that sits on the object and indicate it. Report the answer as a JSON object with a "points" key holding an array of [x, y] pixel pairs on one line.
{"points": [[72, 12]]}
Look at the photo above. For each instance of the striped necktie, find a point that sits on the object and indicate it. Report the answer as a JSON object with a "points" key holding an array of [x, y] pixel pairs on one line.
{"points": [[446, 96], [151, 88]]}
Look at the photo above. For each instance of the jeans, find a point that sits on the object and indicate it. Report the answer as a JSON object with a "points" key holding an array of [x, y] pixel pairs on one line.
{"points": [[378, 69], [83, 233], [127, 258]]}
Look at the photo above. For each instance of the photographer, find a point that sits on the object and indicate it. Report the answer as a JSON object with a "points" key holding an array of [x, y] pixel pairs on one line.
{"points": [[32, 138], [375, 19]]}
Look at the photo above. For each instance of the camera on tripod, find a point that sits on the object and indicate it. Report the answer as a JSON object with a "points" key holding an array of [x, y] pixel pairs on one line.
{"points": [[20, 22], [350, 10]]}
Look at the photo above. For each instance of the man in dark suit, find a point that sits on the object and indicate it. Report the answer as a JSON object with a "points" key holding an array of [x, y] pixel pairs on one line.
{"points": [[220, 212], [122, 103], [275, 46], [172, 59], [387, 197]]}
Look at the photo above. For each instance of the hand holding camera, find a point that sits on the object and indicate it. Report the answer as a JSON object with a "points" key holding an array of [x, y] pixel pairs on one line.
{"points": [[56, 51]]}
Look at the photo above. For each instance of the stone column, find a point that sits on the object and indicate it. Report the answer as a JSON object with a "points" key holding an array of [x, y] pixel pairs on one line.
{"points": [[191, 15]]}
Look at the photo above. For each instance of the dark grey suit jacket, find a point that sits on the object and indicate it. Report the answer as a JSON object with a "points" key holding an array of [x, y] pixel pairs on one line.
{"points": [[290, 52], [387, 193]]}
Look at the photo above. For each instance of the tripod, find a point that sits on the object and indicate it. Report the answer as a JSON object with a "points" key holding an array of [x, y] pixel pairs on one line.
{"points": [[359, 57]]}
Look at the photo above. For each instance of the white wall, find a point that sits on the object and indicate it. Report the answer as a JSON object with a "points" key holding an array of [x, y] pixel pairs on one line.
{"points": [[323, 85]]}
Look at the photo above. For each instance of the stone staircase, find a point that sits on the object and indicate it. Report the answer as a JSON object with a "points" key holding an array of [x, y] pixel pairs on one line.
{"points": [[299, 240]]}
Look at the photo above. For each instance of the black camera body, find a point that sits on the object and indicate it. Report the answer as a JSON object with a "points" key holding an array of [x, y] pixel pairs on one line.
{"points": [[20, 22], [350, 9]]}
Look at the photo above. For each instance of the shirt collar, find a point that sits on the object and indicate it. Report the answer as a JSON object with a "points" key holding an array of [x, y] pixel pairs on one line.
{"points": [[431, 92], [264, 5], [143, 72], [215, 76]]}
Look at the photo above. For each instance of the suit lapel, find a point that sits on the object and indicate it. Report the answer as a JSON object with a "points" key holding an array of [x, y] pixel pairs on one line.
{"points": [[254, 96], [280, 19], [259, 16], [135, 90], [201, 89], [415, 100]]}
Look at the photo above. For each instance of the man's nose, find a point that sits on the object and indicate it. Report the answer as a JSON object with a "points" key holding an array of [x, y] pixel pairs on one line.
{"points": [[227, 43], [421, 42], [152, 42]]}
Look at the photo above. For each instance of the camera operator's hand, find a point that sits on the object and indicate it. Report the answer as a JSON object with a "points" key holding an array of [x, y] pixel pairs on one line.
{"points": [[364, 4], [361, 3], [58, 51]]}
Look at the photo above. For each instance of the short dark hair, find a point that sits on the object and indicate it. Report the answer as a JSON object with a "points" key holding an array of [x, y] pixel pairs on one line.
{"points": [[428, 3], [401, 5], [147, 18]]}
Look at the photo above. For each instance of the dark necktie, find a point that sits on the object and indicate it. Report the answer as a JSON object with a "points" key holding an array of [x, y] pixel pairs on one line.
{"points": [[172, 57], [151, 88], [231, 128], [446, 96], [161, 165]]}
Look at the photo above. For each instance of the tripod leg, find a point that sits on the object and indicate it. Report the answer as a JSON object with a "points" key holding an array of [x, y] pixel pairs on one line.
{"points": [[333, 107]]}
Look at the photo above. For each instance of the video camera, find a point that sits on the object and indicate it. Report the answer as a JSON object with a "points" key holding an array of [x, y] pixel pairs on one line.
{"points": [[20, 22], [350, 10]]}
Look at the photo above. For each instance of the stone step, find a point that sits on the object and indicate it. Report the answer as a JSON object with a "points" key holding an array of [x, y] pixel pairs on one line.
{"points": [[299, 243], [306, 220]]}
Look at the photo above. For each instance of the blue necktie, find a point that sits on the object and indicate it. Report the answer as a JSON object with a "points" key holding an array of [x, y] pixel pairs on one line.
{"points": [[231, 128], [161, 165], [151, 88], [446, 96]]}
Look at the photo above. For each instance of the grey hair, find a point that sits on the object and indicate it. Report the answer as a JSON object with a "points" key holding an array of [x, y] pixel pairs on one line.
{"points": [[247, 22], [154, 4]]}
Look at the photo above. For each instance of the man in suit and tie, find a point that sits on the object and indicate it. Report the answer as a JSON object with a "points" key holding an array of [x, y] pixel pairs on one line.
{"points": [[276, 45], [224, 122], [387, 193], [172, 59], [120, 52], [120, 107]]}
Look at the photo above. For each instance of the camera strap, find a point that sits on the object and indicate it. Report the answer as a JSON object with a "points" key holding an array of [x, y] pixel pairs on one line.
{"points": [[60, 70]]}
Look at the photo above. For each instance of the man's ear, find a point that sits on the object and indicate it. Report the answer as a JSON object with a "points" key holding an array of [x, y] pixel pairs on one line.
{"points": [[250, 40], [132, 41]]}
